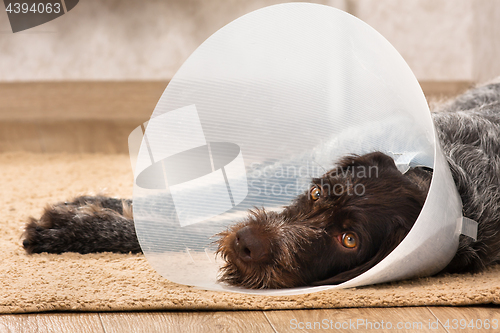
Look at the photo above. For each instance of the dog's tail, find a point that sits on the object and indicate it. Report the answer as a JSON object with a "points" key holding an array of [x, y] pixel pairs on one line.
{"points": [[88, 224]]}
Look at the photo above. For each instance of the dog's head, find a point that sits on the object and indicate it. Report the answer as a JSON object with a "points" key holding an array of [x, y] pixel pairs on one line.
{"points": [[349, 220]]}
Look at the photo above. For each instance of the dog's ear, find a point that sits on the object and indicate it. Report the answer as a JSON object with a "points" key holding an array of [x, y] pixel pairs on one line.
{"points": [[372, 164], [377, 159], [393, 240]]}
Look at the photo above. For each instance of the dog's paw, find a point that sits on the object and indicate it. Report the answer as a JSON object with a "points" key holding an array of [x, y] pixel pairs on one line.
{"points": [[84, 225], [49, 233]]}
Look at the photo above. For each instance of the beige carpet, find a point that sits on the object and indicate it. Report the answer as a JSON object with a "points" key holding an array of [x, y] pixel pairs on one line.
{"points": [[107, 282]]}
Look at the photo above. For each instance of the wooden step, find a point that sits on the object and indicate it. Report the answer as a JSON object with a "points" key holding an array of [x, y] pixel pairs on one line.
{"points": [[96, 117]]}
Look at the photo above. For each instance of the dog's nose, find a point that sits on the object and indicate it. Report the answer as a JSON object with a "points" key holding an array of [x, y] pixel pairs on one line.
{"points": [[249, 246]]}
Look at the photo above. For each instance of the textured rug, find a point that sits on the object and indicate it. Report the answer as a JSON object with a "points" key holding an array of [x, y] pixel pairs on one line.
{"points": [[117, 282]]}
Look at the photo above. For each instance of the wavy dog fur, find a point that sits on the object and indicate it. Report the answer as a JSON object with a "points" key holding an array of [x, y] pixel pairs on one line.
{"points": [[325, 236]]}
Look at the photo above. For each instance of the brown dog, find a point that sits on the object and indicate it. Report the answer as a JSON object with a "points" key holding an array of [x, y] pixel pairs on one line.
{"points": [[351, 218]]}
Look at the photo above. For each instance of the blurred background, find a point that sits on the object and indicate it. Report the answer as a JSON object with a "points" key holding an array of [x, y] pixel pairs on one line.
{"points": [[82, 82]]}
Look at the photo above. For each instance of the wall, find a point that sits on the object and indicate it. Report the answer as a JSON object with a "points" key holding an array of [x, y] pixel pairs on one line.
{"points": [[442, 40]]}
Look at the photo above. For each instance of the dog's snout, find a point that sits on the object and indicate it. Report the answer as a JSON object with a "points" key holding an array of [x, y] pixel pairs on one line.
{"points": [[250, 246]]}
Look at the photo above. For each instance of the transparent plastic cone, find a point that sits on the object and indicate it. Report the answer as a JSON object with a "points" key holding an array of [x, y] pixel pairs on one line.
{"points": [[266, 103]]}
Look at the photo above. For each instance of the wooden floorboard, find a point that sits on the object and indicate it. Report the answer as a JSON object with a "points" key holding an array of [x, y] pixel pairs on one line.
{"points": [[134, 322], [468, 319], [402, 319], [48, 322], [409, 319]]}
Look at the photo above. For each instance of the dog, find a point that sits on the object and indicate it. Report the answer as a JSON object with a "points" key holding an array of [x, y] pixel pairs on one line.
{"points": [[330, 233]]}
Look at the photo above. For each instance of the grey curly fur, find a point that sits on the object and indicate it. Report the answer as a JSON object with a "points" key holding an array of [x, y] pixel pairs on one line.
{"points": [[468, 128], [87, 224]]}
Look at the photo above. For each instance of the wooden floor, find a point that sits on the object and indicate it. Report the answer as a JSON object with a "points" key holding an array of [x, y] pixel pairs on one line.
{"points": [[410, 319]]}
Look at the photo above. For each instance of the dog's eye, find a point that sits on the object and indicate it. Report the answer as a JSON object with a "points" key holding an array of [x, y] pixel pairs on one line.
{"points": [[349, 240], [315, 193]]}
